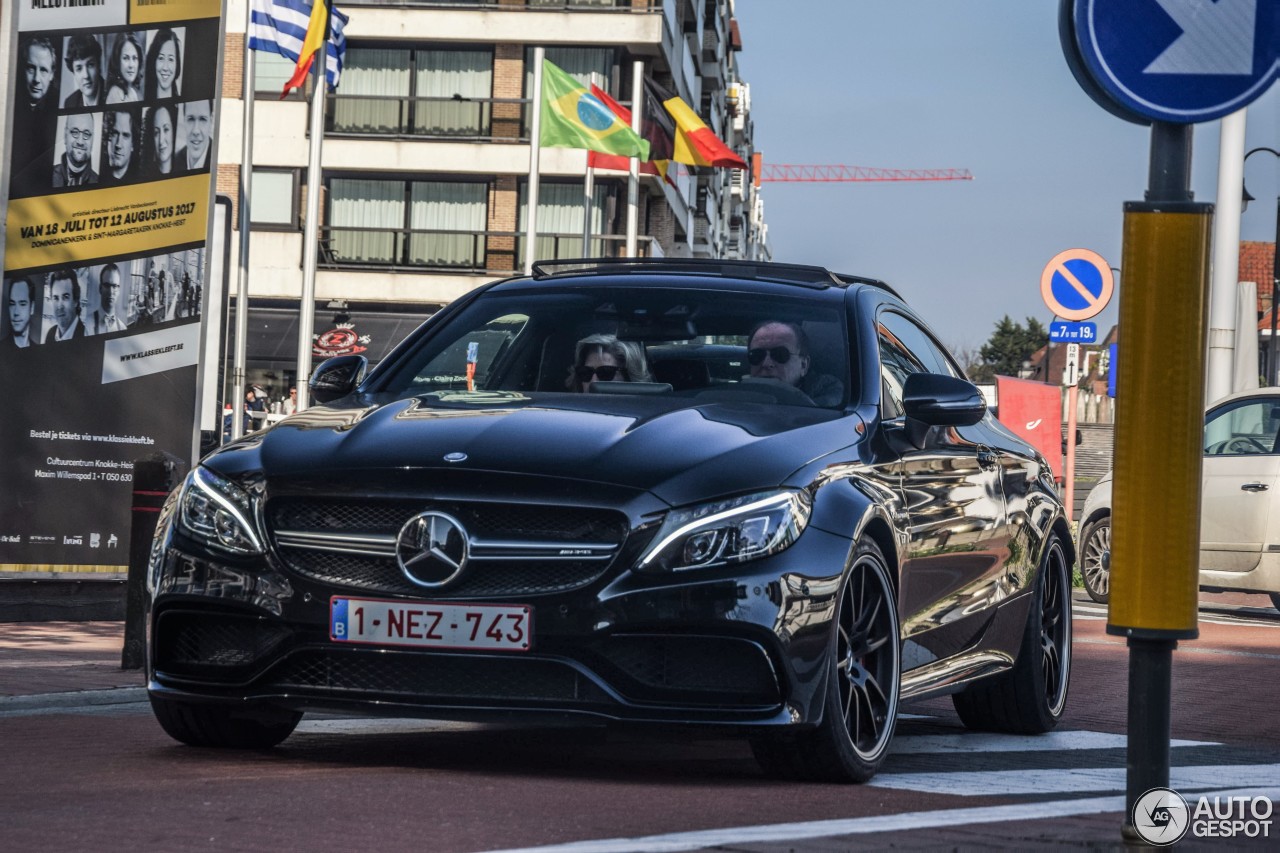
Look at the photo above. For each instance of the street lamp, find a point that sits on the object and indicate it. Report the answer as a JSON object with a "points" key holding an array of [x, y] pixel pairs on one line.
{"points": [[1272, 348]]}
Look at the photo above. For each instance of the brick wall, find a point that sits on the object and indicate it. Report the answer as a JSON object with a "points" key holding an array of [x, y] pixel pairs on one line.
{"points": [[508, 82], [228, 183], [233, 65], [500, 251]]}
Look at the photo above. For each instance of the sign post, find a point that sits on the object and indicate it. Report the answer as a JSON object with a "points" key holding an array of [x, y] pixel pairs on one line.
{"points": [[1167, 63], [1076, 285]]}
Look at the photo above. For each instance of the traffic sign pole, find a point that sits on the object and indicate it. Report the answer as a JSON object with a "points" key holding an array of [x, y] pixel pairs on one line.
{"points": [[1175, 63], [1159, 428], [1071, 379]]}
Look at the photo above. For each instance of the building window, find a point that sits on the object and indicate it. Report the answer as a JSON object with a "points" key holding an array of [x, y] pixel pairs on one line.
{"points": [[561, 214], [274, 199], [375, 84], [587, 64], [446, 86], [270, 72], [435, 224], [415, 92]]}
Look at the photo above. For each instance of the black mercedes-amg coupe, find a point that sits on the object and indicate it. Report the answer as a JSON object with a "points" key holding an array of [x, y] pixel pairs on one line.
{"points": [[758, 497]]}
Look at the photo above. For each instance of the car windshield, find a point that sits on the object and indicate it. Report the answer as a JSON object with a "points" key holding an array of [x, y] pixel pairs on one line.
{"points": [[635, 340]]}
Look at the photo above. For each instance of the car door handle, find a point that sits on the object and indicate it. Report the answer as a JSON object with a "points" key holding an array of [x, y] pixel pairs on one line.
{"points": [[1254, 487]]}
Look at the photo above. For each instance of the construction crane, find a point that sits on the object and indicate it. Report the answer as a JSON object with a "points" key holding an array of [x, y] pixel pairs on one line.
{"points": [[839, 173]]}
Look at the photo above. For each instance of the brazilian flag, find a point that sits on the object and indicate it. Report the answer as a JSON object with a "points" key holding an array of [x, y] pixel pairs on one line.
{"points": [[572, 117]]}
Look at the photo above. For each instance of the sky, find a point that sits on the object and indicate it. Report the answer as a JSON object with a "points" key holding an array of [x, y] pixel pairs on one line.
{"points": [[968, 84]]}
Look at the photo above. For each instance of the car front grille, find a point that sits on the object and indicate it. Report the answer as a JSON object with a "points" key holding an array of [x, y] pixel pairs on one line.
{"points": [[216, 645], [686, 669], [434, 677], [351, 544]]}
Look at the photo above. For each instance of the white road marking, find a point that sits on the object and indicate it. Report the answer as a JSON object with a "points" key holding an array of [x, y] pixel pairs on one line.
{"points": [[1261, 619], [1187, 647], [986, 743], [1077, 780], [677, 842]]}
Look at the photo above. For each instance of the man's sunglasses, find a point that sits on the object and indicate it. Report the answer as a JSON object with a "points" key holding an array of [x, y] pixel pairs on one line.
{"points": [[606, 372], [780, 355]]}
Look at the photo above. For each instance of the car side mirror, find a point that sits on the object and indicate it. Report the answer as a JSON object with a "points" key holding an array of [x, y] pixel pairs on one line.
{"points": [[934, 399], [337, 377]]}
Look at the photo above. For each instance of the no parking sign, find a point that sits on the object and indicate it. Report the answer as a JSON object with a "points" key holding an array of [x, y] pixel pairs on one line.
{"points": [[1077, 284]]}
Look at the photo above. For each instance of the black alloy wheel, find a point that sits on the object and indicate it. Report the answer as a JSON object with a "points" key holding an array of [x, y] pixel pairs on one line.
{"points": [[1055, 627], [867, 658], [861, 712], [1030, 697], [1095, 559]]}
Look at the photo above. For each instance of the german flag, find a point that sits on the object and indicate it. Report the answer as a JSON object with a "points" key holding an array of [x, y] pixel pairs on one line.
{"points": [[695, 144]]}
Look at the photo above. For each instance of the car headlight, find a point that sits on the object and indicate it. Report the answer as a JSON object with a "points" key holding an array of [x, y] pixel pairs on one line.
{"points": [[729, 531], [218, 513]]}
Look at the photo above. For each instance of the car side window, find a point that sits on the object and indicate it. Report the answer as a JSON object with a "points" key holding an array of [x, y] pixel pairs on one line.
{"points": [[1251, 428], [905, 348]]}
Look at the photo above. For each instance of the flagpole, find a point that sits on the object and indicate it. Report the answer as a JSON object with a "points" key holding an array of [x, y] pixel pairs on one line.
{"points": [[633, 180], [589, 186], [535, 151], [239, 366], [311, 235]]}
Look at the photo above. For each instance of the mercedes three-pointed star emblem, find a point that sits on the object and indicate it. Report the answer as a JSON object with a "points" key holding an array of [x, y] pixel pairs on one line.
{"points": [[432, 549]]}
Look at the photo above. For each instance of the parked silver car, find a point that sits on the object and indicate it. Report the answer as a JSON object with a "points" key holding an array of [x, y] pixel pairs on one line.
{"points": [[1239, 515]]}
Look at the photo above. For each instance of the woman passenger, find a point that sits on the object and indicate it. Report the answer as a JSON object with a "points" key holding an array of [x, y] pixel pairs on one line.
{"points": [[604, 358]]}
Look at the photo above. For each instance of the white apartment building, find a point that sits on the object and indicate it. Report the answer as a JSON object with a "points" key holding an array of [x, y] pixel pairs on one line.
{"points": [[426, 160]]}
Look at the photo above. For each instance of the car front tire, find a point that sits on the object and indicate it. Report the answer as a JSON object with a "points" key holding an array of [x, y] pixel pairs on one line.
{"points": [[1095, 559], [1030, 697], [864, 674], [222, 726]]}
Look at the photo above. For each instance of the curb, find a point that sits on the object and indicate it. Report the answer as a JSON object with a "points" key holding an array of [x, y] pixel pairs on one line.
{"points": [[74, 699]]}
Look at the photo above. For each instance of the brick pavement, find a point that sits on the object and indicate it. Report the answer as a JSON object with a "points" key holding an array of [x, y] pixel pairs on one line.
{"points": [[62, 657]]}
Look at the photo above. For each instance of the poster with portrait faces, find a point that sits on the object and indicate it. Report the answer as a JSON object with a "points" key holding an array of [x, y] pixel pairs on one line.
{"points": [[109, 161]]}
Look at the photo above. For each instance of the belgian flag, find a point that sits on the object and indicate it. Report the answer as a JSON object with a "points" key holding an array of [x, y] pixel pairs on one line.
{"points": [[695, 144]]}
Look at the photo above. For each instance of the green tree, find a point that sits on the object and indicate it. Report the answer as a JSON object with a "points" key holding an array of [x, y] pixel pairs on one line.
{"points": [[1008, 347]]}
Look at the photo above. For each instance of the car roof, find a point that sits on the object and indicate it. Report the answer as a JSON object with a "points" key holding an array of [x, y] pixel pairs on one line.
{"points": [[798, 275], [1269, 391]]}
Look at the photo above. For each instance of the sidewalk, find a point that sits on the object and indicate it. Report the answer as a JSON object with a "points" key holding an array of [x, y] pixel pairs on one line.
{"points": [[39, 658]]}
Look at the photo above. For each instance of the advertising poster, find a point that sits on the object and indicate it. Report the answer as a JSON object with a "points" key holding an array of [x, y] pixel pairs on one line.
{"points": [[108, 161]]}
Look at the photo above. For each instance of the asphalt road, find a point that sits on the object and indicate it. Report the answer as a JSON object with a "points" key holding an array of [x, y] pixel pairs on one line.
{"points": [[108, 778]]}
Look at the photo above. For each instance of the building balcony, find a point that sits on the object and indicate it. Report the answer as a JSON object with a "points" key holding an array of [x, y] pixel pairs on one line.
{"points": [[428, 250]]}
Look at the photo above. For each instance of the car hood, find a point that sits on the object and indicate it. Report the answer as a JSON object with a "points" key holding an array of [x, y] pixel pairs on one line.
{"points": [[676, 451]]}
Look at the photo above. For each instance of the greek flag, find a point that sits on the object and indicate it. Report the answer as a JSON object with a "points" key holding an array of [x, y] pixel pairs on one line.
{"points": [[279, 26]]}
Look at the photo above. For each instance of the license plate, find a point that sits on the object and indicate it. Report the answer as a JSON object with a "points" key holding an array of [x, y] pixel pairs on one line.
{"points": [[433, 624]]}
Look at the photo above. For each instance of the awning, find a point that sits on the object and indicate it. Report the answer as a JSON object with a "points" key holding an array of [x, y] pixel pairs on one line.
{"points": [[273, 334]]}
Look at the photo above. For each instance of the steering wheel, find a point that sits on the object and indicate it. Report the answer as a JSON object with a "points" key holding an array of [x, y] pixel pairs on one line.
{"points": [[782, 392], [1245, 444]]}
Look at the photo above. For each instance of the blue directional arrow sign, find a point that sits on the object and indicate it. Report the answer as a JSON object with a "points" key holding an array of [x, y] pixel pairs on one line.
{"points": [[1181, 61]]}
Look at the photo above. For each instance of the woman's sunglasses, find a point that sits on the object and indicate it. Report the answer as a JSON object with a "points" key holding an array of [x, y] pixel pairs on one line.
{"points": [[780, 355], [606, 372]]}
